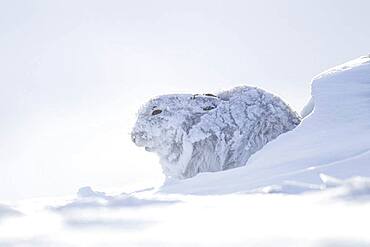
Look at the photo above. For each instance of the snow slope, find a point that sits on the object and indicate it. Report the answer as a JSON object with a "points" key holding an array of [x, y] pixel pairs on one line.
{"points": [[332, 139]]}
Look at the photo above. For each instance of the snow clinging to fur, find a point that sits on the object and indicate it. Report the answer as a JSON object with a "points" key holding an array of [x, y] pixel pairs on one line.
{"points": [[208, 133]]}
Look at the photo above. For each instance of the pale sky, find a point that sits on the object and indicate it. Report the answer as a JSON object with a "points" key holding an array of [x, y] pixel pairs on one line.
{"points": [[74, 73]]}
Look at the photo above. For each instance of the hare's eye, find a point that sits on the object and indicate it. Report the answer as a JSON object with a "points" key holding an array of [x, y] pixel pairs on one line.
{"points": [[208, 108], [156, 112]]}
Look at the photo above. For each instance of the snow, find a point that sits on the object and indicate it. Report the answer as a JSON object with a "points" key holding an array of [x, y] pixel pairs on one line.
{"points": [[209, 133], [332, 139], [333, 217], [89, 199], [308, 187], [353, 189], [7, 211]]}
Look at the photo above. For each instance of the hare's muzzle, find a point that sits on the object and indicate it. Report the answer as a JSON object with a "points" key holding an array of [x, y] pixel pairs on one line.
{"points": [[139, 138]]}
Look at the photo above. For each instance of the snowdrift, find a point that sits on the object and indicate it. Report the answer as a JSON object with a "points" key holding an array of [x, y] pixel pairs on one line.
{"points": [[333, 139], [7, 211]]}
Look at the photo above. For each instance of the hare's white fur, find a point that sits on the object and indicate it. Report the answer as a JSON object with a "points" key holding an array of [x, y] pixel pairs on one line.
{"points": [[206, 133]]}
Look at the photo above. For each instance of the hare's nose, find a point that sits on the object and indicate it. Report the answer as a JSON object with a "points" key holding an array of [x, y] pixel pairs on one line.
{"points": [[136, 136], [133, 137]]}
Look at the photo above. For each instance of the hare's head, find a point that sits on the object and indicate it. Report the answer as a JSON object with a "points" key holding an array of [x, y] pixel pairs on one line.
{"points": [[164, 123]]}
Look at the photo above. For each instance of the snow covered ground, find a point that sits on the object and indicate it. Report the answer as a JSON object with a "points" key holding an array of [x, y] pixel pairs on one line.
{"points": [[335, 217], [308, 187]]}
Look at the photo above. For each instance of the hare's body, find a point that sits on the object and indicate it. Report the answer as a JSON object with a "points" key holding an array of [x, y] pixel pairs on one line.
{"points": [[207, 133]]}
